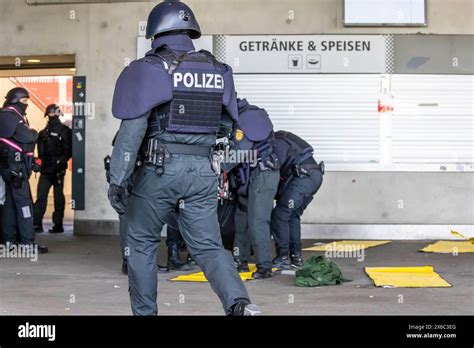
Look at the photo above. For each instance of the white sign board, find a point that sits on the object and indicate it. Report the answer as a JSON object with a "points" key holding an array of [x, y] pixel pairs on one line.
{"points": [[203, 43], [142, 28], [385, 12], [303, 54]]}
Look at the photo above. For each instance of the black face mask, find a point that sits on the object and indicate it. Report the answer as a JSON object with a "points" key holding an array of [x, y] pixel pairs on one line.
{"points": [[21, 107], [52, 119]]}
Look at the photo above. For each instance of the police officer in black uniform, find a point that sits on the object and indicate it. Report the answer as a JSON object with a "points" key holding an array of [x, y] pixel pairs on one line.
{"points": [[257, 180], [17, 143], [173, 103], [54, 151], [300, 178]]}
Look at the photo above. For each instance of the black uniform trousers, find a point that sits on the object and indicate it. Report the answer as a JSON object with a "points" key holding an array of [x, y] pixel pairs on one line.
{"points": [[44, 185], [18, 207]]}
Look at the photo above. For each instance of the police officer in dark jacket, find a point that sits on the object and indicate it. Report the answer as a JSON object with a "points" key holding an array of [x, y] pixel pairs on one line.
{"points": [[54, 151], [257, 180], [173, 103], [300, 178], [17, 143]]}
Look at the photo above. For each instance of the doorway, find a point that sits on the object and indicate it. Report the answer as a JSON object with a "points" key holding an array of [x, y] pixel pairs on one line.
{"points": [[46, 85]]}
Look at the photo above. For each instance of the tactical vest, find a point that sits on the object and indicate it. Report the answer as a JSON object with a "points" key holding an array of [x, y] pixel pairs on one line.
{"points": [[10, 118], [295, 151], [9, 148], [53, 143], [197, 87]]}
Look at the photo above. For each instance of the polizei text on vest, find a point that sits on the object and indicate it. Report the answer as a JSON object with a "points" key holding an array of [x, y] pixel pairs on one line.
{"points": [[196, 80]]}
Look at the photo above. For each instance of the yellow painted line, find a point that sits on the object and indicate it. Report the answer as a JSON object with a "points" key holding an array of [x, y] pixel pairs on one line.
{"points": [[449, 247], [406, 277], [199, 277]]}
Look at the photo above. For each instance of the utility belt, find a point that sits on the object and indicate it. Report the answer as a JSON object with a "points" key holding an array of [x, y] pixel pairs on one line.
{"points": [[158, 153], [304, 167], [296, 171], [243, 172], [268, 163], [301, 169]]}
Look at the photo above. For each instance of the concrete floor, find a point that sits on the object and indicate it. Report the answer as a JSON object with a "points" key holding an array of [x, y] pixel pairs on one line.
{"points": [[81, 275]]}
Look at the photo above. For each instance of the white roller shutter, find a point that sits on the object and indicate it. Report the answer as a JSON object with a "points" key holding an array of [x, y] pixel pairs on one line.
{"points": [[337, 114], [432, 123], [433, 119]]}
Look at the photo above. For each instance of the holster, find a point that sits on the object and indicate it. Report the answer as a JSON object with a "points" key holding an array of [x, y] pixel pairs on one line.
{"points": [[155, 155], [16, 177], [303, 168]]}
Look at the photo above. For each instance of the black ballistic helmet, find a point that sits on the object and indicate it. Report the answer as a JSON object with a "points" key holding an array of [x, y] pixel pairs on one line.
{"points": [[172, 16], [14, 95], [53, 108]]}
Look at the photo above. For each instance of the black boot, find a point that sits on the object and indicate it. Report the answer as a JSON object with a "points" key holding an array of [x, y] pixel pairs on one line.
{"points": [[38, 228], [296, 259], [282, 262], [124, 266], [182, 245], [162, 269], [42, 249], [174, 262], [57, 229], [262, 273], [242, 266], [190, 261]]}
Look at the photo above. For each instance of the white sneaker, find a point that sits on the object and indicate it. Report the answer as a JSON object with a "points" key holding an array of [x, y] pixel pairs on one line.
{"points": [[252, 310]]}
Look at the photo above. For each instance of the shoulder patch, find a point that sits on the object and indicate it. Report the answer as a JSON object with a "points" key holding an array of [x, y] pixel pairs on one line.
{"points": [[239, 135]]}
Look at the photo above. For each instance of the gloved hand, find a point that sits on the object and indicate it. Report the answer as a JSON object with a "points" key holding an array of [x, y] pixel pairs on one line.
{"points": [[118, 198], [36, 165]]}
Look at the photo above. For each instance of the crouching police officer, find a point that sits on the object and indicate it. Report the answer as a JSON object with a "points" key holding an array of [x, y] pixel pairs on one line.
{"points": [[17, 143], [257, 186], [54, 151], [172, 104], [300, 178]]}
